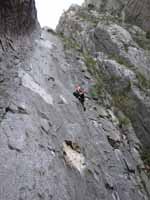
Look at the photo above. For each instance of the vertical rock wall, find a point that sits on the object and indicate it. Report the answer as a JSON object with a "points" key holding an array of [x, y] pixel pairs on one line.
{"points": [[136, 11], [17, 16], [50, 149]]}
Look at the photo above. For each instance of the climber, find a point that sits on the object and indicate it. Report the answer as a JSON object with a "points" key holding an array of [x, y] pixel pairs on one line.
{"points": [[79, 93]]}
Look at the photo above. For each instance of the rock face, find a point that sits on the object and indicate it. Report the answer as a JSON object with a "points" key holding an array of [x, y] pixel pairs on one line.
{"points": [[17, 16], [108, 5], [135, 11], [50, 149], [138, 12], [106, 42]]}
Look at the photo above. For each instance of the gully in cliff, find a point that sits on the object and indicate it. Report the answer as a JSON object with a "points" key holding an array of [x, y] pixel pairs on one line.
{"points": [[79, 93]]}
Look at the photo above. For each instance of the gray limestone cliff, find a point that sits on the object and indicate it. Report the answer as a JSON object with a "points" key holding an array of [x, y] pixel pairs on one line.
{"points": [[17, 17], [133, 11], [50, 148]]}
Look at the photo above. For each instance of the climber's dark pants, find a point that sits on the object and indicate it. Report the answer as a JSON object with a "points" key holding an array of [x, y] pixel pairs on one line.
{"points": [[80, 97]]}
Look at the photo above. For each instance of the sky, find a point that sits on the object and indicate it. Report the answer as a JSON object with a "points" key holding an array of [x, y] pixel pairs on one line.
{"points": [[49, 11]]}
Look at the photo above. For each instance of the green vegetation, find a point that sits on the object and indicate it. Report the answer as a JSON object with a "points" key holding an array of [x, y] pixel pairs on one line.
{"points": [[143, 82], [123, 121], [97, 89], [70, 43], [90, 63], [126, 47], [94, 19], [143, 41], [94, 92], [148, 34], [121, 61], [89, 18], [124, 103], [94, 70], [145, 155], [114, 79], [120, 100]]}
